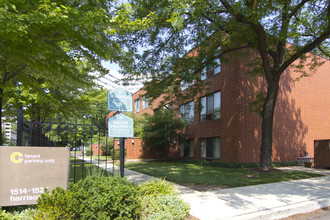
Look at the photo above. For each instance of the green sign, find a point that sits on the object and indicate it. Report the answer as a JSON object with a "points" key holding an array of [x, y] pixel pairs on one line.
{"points": [[119, 100], [120, 126]]}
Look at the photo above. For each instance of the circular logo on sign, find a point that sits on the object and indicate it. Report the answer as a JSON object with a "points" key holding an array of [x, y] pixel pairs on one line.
{"points": [[16, 157]]}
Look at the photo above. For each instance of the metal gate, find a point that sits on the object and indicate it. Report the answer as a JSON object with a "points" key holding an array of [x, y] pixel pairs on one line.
{"points": [[73, 134]]}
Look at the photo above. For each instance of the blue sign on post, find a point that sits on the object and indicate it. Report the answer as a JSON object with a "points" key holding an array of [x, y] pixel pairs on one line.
{"points": [[120, 126], [119, 100]]}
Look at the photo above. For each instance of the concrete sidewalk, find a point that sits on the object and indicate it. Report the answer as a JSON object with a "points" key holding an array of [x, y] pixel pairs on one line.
{"points": [[267, 201]]}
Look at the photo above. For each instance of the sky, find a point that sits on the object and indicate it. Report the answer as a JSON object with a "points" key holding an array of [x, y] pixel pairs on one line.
{"points": [[113, 79]]}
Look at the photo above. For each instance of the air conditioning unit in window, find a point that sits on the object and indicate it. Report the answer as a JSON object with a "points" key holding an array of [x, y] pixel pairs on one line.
{"points": [[209, 116]]}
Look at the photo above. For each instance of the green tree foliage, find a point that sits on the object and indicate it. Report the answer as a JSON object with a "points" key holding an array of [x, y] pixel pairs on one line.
{"points": [[3, 136], [160, 130], [264, 28], [138, 121], [48, 50], [89, 118]]}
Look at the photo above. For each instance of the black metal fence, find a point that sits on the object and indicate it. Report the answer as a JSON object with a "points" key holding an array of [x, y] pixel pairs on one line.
{"points": [[80, 136]]}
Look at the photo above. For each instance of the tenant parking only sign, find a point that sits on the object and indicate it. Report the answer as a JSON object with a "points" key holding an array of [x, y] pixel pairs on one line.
{"points": [[120, 126], [26, 171]]}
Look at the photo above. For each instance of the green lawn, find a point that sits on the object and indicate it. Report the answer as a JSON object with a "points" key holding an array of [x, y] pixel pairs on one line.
{"points": [[95, 157], [79, 170], [198, 174]]}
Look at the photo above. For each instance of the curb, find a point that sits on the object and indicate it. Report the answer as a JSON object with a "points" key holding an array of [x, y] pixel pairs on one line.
{"points": [[285, 211]]}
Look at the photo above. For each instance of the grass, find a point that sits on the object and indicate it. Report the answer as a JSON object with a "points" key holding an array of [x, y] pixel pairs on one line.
{"points": [[80, 169], [96, 157], [198, 174]]}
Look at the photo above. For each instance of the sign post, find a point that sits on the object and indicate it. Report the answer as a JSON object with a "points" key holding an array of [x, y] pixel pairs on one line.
{"points": [[122, 156], [120, 125]]}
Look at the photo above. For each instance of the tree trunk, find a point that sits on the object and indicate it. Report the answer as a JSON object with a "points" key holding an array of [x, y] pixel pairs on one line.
{"points": [[267, 125]]}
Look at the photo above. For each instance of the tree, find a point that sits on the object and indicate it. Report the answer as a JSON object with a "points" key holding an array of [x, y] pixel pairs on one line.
{"points": [[138, 122], [160, 130], [266, 28], [83, 125], [55, 43], [3, 135]]}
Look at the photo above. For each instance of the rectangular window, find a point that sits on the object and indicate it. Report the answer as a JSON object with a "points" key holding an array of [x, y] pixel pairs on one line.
{"points": [[187, 149], [187, 112], [217, 67], [186, 85], [207, 72], [210, 107], [137, 105], [212, 69], [210, 148], [145, 102]]}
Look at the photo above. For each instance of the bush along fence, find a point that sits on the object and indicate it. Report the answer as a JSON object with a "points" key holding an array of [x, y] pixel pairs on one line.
{"points": [[106, 197], [86, 139]]}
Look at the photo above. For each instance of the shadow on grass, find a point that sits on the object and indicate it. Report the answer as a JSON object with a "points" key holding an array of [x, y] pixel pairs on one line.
{"points": [[81, 170], [199, 174]]}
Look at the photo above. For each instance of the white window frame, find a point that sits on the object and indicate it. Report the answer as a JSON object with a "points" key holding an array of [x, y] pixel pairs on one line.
{"points": [[205, 145], [215, 68], [137, 105], [145, 102], [211, 107], [187, 146], [187, 112]]}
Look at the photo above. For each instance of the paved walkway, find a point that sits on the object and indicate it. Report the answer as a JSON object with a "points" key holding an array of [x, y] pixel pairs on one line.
{"points": [[267, 201]]}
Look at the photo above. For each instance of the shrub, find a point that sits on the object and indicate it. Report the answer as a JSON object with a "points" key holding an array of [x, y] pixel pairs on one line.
{"points": [[89, 153], [92, 198], [285, 164], [113, 154], [242, 165], [97, 171], [165, 207], [157, 187], [160, 201], [116, 156], [107, 149], [160, 130], [57, 205], [24, 214], [2, 214]]}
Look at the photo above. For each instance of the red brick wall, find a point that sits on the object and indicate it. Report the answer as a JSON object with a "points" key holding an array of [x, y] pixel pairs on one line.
{"points": [[303, 110], [152, 106], [302, 114], [135, 150], [225, 127], [96, 149]]}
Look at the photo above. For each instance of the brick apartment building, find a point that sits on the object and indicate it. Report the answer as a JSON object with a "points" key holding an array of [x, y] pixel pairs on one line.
{"points": [[226, 130]]}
